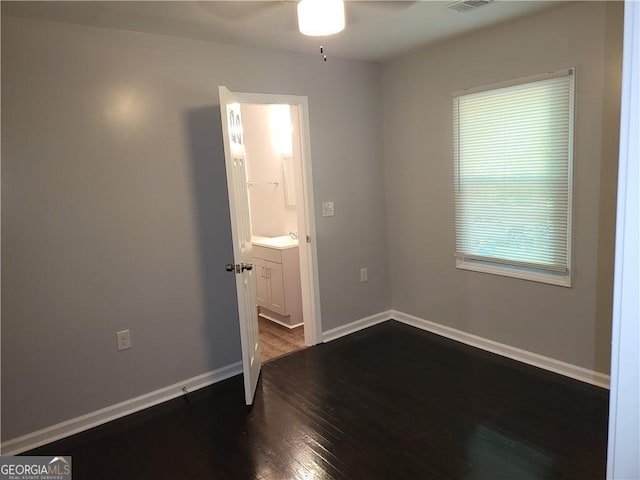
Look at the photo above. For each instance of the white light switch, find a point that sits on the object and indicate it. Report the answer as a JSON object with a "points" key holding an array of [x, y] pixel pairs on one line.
{"points": [[364, 275], [327, 209]]}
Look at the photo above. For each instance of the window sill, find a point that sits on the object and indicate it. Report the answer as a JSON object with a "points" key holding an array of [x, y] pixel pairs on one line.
{"points": [[562, 279]]}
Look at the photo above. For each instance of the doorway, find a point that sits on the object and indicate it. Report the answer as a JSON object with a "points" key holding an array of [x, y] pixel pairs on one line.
{"points": [[299, 184], [271, 138]]}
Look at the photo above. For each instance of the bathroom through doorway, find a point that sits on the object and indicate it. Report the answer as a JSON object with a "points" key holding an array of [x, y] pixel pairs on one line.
{"points": [[238, 185], [274, 151]]}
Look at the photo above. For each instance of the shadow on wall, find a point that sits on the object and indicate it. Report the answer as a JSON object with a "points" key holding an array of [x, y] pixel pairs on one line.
{"points": [[211, 210]]}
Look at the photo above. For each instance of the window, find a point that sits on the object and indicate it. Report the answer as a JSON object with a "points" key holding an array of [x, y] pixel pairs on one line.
{"points": [[513, 182]]}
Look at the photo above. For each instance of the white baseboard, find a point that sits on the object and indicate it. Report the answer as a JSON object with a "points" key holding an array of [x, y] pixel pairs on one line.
{"points": [[567, 369], [355, 326], [524, 356], [113, 412], [279, 322]]}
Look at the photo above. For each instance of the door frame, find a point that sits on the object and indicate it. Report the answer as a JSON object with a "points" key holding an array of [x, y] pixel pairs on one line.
{"points": [[307, 245]]}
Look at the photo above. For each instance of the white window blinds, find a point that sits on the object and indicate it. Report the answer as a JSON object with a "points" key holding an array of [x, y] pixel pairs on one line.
{"points": [[512, 166]]}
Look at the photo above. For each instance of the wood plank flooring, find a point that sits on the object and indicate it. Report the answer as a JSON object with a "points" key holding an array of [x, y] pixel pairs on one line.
{"points": [[389, 402], [276, 340]]}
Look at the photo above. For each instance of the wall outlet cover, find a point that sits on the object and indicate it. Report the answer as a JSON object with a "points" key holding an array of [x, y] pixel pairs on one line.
{"points": [[123, 340]]}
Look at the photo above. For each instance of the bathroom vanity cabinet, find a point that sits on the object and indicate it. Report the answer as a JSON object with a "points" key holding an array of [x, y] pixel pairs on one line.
{"points": [[277, 274]]}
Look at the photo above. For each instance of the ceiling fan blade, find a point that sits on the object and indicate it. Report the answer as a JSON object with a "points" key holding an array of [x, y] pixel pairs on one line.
{"points": [[382, 5], [360, 10], [240, 10]]}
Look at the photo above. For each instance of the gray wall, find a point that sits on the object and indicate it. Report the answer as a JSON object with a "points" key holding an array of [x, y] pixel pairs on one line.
{"points": [[115, 214], [572, 325]]}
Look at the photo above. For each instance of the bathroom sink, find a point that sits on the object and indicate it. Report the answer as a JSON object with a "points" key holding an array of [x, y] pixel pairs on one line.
{"points": [[281, 242]]}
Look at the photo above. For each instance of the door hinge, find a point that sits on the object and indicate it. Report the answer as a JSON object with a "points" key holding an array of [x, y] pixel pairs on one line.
{"points": [[308, 238]]}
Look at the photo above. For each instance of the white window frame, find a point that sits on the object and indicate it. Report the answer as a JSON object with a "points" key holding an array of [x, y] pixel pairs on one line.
{"points": [[563, 279]]}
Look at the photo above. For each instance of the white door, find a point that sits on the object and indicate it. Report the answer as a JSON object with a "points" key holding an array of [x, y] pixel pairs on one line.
{"points": [[235, 162], [260, 273]]}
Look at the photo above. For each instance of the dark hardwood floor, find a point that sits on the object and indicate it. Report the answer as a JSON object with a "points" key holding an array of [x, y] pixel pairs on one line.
{"points": [[389, 402], [276, 340]]}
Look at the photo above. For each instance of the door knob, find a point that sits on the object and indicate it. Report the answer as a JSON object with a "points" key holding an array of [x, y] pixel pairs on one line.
{"points": [[230, 267]]}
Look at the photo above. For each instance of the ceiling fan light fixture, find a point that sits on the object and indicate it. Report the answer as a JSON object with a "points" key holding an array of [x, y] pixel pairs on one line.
{"points": [[319, 18]]}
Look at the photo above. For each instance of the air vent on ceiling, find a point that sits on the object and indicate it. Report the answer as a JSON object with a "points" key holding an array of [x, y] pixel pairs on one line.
{"points": [[468, 5]]}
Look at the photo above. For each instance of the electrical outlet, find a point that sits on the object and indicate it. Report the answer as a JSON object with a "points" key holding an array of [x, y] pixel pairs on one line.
{"points": [[364, 275], [123, 340]]}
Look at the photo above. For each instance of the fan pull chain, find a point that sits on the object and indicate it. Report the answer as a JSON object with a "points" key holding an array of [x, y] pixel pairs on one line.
{"points": [[324, 57]]}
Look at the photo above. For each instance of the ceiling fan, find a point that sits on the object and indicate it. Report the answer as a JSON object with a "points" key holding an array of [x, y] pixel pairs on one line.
{"points": [[285, 10]]}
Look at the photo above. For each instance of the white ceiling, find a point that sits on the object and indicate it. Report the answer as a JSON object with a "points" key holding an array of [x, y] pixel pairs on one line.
{"points": [[376, 30]]}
